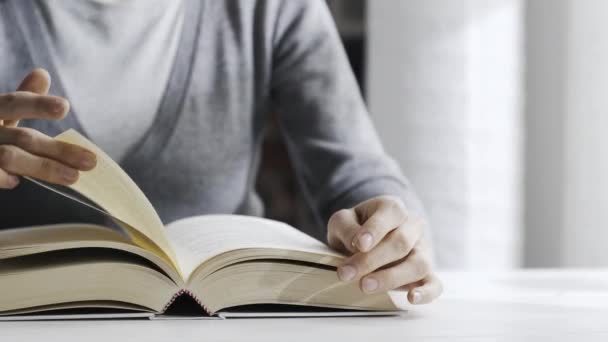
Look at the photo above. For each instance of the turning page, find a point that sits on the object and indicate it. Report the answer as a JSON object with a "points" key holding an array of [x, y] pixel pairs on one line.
{"points": [[108, 186]]}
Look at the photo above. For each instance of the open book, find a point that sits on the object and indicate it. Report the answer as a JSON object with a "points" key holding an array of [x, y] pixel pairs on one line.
{"points": [[217, 261]]}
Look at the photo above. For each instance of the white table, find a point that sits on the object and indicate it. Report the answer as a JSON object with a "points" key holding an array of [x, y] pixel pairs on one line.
{"points": [[517, 306]]}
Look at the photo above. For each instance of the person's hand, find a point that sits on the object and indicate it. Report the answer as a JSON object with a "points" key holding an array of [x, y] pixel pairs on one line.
{"points": [[27, 152], [386, 247]]}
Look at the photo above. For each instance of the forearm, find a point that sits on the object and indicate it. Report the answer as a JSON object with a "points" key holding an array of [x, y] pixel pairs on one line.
{"points": [[331, 139], [373, 186]]}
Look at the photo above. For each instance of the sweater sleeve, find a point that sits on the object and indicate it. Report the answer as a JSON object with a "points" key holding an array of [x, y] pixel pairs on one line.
{"points": [[330, 138]]}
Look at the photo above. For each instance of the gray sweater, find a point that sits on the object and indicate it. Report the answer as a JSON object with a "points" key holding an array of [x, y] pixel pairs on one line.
{"points": [[237, 62]]}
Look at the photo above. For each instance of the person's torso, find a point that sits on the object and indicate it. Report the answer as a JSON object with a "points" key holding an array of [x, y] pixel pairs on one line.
{"points": [[200, 154], [114, 59]]}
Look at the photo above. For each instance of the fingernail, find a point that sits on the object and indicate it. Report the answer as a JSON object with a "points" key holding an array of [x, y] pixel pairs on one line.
{"points": [[416, 297], [69, 175], [58, 106], [369, 284], [365, 241], [13, 181], [88, 160], [346, 273]]}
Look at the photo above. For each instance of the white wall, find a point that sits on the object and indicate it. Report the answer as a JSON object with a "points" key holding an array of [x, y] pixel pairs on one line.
{"points": [[444, 82], [585, 241], [567, 219], [546, 46]]}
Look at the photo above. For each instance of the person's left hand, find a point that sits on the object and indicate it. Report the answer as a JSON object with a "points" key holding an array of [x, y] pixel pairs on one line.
{"points": [[386, 247]]}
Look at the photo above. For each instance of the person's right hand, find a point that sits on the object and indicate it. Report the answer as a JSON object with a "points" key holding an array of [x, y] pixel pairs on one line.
{"points": [[27, 152]]}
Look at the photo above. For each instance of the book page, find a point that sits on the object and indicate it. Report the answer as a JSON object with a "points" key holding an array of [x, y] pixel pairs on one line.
{"points": [[198, 239], [28, 241], [108, 186], [24, 237], [82, 274]]}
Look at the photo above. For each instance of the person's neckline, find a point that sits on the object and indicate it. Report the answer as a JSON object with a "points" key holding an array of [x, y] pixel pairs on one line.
{"points": [[166, 116]]}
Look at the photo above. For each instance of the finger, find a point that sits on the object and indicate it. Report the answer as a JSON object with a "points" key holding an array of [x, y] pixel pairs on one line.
{"points": [[8, 181], [389, 214], [38, 82], [395, 246], [44, 146], [19, 162], [341, 228], [27, 105], [415, 267], [428, 290]]}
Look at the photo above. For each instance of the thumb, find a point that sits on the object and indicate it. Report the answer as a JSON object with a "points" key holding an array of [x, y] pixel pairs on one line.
{"points": [[341, 228], [39, 82]]}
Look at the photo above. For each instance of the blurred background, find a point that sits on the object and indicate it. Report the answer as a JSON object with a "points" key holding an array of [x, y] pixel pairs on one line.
{"points": [[497, 112]]}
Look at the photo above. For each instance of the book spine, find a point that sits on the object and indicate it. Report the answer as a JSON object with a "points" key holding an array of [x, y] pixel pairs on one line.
{"points": [[185, 292]]}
